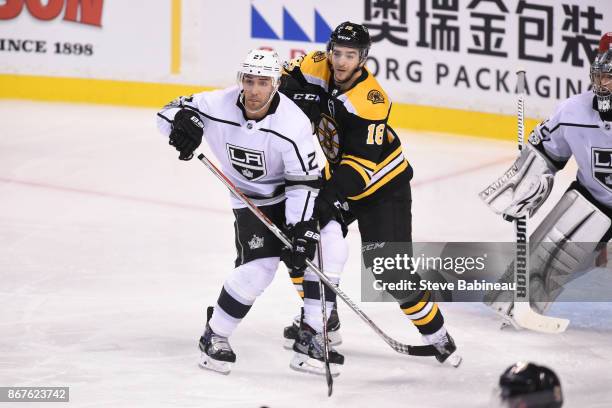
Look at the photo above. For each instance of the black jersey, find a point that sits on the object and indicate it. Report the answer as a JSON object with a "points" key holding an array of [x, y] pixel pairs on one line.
{"points": [[364, 155]]}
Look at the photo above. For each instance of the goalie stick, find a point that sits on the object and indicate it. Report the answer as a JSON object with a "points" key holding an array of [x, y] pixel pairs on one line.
{"points": [[422, 351], [521, 312]]}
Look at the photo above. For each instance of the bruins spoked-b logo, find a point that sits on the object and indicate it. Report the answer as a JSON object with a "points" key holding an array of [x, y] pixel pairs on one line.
{"points": [[602, 166], [329, 139], [250, 163]]}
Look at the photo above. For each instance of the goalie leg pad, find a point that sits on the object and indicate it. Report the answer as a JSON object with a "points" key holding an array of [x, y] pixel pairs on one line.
{"points": [[564, 243]]}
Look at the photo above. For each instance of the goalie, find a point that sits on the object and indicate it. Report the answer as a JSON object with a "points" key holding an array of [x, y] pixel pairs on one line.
{"points": [[569, 238]]}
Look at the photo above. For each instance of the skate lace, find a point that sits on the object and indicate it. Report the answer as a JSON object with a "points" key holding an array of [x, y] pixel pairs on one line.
{"points": [[438, 340]]}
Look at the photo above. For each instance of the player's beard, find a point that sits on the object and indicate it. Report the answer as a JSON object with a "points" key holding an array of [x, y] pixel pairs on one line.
{"points": [[348, 78], [258, 106]]}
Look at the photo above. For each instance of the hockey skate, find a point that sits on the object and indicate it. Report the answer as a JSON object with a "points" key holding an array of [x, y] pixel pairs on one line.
{"points": [[333, 330], [217, 354], [445, 345], [309, 353]]}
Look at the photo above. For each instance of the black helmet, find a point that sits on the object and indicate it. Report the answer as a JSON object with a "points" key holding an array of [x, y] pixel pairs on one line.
{"points": [[351, 35], [528, 385]]}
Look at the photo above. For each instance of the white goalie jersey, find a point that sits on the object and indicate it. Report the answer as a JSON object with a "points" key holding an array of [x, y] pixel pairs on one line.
{"points": [[577, 129], [268, 160]]}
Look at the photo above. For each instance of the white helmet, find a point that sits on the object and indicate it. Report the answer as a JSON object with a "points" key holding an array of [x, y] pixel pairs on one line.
{"points": [[262, 63]]}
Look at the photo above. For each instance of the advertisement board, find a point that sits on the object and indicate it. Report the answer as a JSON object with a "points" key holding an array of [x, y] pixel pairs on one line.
{"points": [[459, 54], [122, 40]]}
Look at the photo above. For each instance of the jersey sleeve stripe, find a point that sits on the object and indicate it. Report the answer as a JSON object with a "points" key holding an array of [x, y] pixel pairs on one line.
{"points": [[572, 125], [358, 169], [164, 118], [371, 189], [312, 183], [228, 122], [370, 165], [389, 158], [301, 177]]}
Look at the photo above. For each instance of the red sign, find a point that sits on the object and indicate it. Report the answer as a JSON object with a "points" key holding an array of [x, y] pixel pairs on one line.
{"points": [[79, 11]]}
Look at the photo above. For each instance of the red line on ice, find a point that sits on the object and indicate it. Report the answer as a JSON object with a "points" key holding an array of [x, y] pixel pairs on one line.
{"points": [[112, 195], [194, 207]]}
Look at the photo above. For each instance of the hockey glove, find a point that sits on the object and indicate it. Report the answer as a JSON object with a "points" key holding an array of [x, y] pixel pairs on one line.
{"points": [[523, 188], [327, 206], [305, 97], [304, 237], [187, 132]]}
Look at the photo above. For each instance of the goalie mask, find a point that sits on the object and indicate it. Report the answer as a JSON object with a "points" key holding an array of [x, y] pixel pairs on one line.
{"points": [[260, 63], [601, 74]]}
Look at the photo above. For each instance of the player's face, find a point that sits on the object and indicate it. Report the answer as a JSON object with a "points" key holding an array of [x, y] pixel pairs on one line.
{"points": [[345, 61], [602, 82], [257, 91]]}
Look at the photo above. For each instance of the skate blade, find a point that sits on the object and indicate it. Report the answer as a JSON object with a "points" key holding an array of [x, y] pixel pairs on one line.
{"points": [[288, 344], [305, 364], [221, 367], [335, 339], [454, 360]]}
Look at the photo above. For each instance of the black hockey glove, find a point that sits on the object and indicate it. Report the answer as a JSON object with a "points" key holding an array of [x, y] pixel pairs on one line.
{"points": [[187, 132], [304, 237], [327, 206], [305, 97]]}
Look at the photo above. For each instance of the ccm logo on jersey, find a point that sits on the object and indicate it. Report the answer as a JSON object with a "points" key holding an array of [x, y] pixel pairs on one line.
{"points": [[602, 166], [305, 97], [250, 163]]}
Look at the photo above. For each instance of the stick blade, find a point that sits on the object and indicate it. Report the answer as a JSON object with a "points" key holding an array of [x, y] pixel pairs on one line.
{"points": [[330, 381], [527, 318]]}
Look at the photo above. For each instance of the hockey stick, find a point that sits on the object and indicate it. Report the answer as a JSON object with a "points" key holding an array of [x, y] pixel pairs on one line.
{"points": [[328, 376], [422, 351], [522, 313]]}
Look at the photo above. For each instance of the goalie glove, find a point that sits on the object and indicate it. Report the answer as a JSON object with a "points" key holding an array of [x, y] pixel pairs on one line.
{"points": [[523, 188]]}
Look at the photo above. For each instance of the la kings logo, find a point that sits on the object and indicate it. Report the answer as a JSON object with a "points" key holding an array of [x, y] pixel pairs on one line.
{"points": [[250, 163], [602, 166]]}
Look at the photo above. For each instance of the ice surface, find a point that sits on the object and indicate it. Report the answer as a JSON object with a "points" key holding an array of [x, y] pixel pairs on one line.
{"points": [[110, 248]]}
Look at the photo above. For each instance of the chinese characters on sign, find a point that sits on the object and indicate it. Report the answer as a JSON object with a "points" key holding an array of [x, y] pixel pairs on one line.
{"points": [[484, 27]]}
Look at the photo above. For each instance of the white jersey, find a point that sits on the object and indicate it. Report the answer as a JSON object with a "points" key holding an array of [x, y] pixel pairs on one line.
{"points": [[577, 129], [268, 160]]}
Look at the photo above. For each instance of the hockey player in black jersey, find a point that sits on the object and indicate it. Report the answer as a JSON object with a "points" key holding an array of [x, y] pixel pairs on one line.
{"points": [[367, 177], [265, 147]]}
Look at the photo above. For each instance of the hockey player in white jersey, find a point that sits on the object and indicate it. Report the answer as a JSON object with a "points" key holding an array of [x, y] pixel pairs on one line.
{"points": [[569, 237], [265, 146]]}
